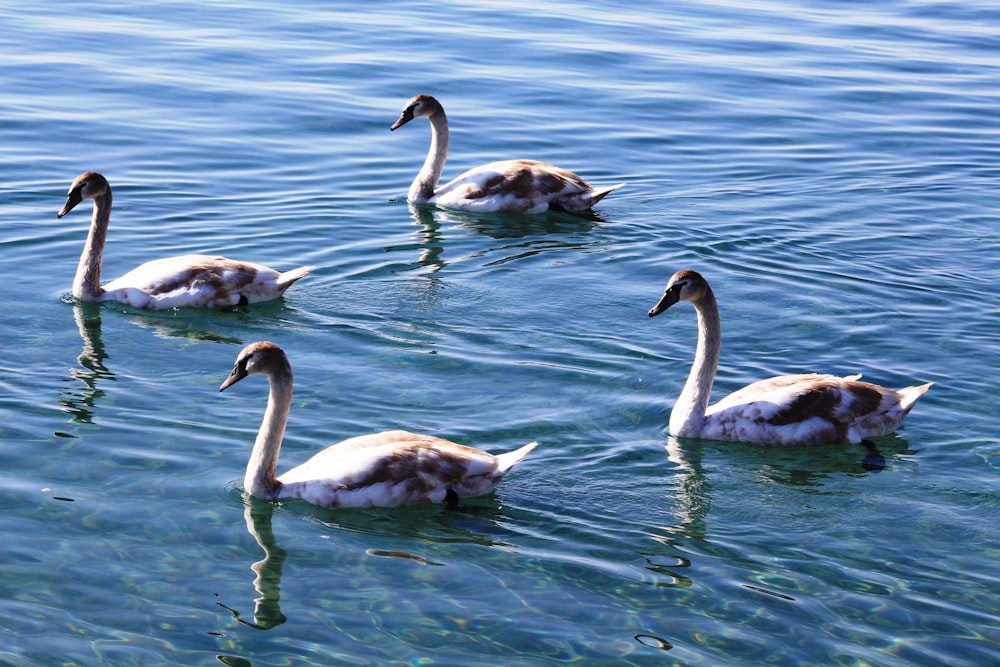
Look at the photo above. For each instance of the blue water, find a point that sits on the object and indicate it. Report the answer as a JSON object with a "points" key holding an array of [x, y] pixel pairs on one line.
{"points": [[830, 167]]}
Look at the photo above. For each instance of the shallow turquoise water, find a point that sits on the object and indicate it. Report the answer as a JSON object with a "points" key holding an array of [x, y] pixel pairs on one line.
{"points": [[830, 167]]}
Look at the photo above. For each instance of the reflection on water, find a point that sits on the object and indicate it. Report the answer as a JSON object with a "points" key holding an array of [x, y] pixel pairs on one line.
{"points": [[80, 402], [469, 523], [523, 235], [429, 238], [692, 491], [805, 467], [175, 325], [267, 582], [480, 521], [517, 226]]}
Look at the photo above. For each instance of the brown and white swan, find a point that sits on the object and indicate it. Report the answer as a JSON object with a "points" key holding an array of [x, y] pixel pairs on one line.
{"points": [[807, 409], [512, 186], [377, 470], [173, 282]]}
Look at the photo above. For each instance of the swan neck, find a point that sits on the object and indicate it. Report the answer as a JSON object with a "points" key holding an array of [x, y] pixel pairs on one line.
{"points": [[422, 188], [261, 480], [87, 283], [688, 415]]}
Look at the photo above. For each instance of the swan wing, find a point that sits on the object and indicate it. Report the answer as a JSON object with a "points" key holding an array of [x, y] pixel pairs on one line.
{"points": [[199, 281], [805, 409], [518, 186], [392, 468]]}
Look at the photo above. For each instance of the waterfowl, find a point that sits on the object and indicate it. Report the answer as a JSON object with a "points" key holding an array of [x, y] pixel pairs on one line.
{"points": [[806, 409], [172, 282], [513, 186], [377, 470]]}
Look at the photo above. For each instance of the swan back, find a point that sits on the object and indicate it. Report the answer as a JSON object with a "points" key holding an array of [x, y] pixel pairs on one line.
{"points": [[394, 468], [809, 409], [519, 186]]}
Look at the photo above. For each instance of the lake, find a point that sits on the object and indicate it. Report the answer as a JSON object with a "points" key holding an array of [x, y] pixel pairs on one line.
{"points": [[831, 168]]}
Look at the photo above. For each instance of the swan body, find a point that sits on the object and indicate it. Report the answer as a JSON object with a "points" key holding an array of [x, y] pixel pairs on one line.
{"points": [[172, 282], [378, 470], [806, 409], [512, 186]]}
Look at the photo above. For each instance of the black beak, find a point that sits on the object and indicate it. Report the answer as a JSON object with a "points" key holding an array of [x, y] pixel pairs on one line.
{"points": [[669, 298], [404, 118], [239, 372], [72, 199]]}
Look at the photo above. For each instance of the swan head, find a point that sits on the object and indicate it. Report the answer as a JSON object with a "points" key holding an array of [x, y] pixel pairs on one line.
{"points": [[261, 357], [88, 185], [686, 285], [419, 106]]}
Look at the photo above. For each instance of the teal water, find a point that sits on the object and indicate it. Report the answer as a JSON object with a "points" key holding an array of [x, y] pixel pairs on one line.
{"points": [[830, 167]]}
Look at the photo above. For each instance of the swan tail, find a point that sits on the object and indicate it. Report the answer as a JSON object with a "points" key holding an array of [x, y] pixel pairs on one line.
{"points": [[909, 396], [597, 194], [286, 279], [508, 460]]}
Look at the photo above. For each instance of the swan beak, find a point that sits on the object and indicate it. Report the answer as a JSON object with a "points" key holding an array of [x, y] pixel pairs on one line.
{"points": [[404, 118], [72, 199], [239, 372], [669, 298]]}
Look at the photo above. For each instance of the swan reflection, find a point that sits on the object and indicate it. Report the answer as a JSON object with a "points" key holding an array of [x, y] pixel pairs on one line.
{"points": [[80, 402], [808, 468], [521, 235], [429, 239], [691, 488], [480, 523], [267, 580]]}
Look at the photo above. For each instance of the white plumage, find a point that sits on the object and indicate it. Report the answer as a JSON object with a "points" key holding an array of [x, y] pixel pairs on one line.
{"points": [[514, 186], [172, 282], [377, 470], [807, 409]]}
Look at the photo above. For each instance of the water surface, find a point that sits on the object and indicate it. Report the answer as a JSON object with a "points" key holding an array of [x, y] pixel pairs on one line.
{"points": [[831, 169]]}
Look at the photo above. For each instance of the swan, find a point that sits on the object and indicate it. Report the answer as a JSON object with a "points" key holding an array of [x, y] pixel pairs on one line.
{"points": [[807, 409], [377, 470], [172, 282], [512, 186]]}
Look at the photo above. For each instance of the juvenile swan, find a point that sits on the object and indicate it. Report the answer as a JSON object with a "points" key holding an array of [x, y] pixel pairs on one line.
{"points": [[513, 186], [808, 409], [172, 282], [376, 470]]}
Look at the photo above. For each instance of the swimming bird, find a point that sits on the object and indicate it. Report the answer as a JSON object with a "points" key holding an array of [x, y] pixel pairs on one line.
{"points": [[384, 469], [513, 186], [172, 282], [806, 409]]}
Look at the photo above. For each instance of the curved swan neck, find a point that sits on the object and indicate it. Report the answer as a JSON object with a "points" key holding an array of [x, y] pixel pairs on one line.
{"points": [[87, 283], [261, 479], [688, 414], [422, 188]]}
